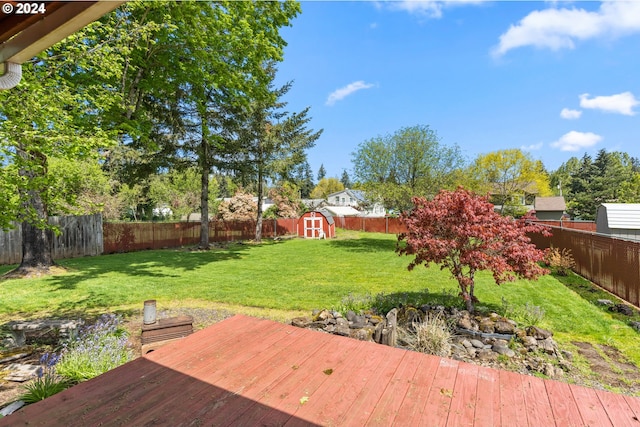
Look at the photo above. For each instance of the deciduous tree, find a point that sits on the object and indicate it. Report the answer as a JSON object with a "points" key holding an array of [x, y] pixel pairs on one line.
{"points": [[509, 175], [325, 187], [462, 233], [410, 162]]}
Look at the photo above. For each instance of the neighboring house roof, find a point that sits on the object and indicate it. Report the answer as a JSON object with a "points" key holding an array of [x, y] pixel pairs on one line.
{"points": [[357, 194], [343, 210], [544, 204], [622, 215]]}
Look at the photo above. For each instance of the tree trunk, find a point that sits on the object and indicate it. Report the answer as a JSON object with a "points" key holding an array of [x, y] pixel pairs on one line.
{"points": [[259, 217], [36, 238], [36, 248], [204, 197]]}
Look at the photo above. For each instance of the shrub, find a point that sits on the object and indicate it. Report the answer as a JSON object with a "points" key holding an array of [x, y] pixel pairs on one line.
{"points": [[47, 383], [529, 314], [432, 336], [560, 261], [98, 349], [356, 303]]}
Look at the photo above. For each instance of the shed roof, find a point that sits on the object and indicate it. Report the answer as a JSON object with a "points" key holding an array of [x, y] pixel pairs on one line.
{"points": [[622, 215], [327, 215], [545, 204]]}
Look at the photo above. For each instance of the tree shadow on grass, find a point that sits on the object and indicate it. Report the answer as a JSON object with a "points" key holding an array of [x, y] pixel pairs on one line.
{"points": [[159, 264], [365, 245]]}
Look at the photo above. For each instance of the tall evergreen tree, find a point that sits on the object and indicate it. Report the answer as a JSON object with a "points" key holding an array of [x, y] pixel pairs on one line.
{"points": [[344, 179], [321, 172]]}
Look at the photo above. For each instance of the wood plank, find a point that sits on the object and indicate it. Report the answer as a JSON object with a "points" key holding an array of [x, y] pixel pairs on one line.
{"points": [[512, 402], [463, 402], [246, 366], [488, 402], [213, 340], [341, 390], [304, 385], [563, 405], [634, 404], [394, 394], [618, 410], [590, 406], [539, 412], [413, 404], [438, 402], [239, 358], [367, 398], [245, 386]]}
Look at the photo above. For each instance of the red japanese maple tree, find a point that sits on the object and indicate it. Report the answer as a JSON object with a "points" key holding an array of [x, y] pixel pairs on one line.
{"points": [[461, 231]]}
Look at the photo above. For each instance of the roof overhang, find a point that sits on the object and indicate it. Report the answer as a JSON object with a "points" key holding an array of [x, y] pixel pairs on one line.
{"points": [[23, 36]]}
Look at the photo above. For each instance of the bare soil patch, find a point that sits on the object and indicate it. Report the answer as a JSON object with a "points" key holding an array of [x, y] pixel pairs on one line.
{"points": [[610, 368]]}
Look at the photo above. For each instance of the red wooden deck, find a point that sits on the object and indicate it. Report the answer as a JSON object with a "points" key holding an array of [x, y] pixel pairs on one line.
{"points": [[252, 372]]}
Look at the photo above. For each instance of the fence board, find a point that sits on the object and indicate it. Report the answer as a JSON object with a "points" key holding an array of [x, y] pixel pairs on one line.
{"points": [[80, 236]]}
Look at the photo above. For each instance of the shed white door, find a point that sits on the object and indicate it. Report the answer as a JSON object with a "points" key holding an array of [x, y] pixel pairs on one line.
{"points": [[312, 227]]}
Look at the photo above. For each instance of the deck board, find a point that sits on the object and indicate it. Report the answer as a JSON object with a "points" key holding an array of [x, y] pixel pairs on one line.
{"points": [[436, 410], [487, 412], [247, 371], [512, 401]]}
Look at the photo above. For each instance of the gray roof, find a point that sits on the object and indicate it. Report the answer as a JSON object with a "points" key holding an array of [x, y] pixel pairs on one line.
{"points": [[327, 215], [545, 204], [358, 194], [622, 215]]}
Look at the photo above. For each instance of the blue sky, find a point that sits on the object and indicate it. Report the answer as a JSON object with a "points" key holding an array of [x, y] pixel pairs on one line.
{"points": [[556, 79]]}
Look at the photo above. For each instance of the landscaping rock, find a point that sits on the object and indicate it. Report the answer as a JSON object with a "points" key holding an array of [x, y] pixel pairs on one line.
{"points": [[605, 302], [503, 349], [623, 309], [504, 327], [487, 326], [538, 333], [477, 343], [301, 322], [635, 325], [484, 339]]}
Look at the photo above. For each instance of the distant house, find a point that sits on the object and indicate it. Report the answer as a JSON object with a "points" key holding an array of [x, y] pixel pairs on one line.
{"points": [[357, 200], [621, 220], [549, 208]]}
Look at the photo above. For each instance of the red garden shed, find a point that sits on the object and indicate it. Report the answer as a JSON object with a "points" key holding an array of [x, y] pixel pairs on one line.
{"points": [[317, 225]]}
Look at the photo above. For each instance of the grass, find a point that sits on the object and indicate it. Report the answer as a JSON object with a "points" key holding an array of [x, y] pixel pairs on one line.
{"points": [[283, 279]]}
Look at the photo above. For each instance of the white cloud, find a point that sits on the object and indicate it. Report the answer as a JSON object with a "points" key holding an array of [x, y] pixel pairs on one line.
{"points": [[532, 147], [343, 92], [428, 8], [569, 114], [621, 103], [574, 141], [560, 28]]}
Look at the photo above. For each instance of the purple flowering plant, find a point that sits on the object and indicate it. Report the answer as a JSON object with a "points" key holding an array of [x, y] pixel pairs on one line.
{"points": [[98, 348]]}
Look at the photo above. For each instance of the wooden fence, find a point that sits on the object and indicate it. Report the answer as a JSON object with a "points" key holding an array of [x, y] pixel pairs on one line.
{"points": [[611, 263], [80, 236], [135, 236]]}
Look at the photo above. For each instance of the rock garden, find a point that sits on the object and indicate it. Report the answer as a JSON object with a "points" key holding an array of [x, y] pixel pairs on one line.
{"points": [[486, 339]]}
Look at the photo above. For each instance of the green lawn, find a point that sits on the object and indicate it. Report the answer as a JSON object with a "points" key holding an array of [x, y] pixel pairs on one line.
{"points": [[283, 279]]}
